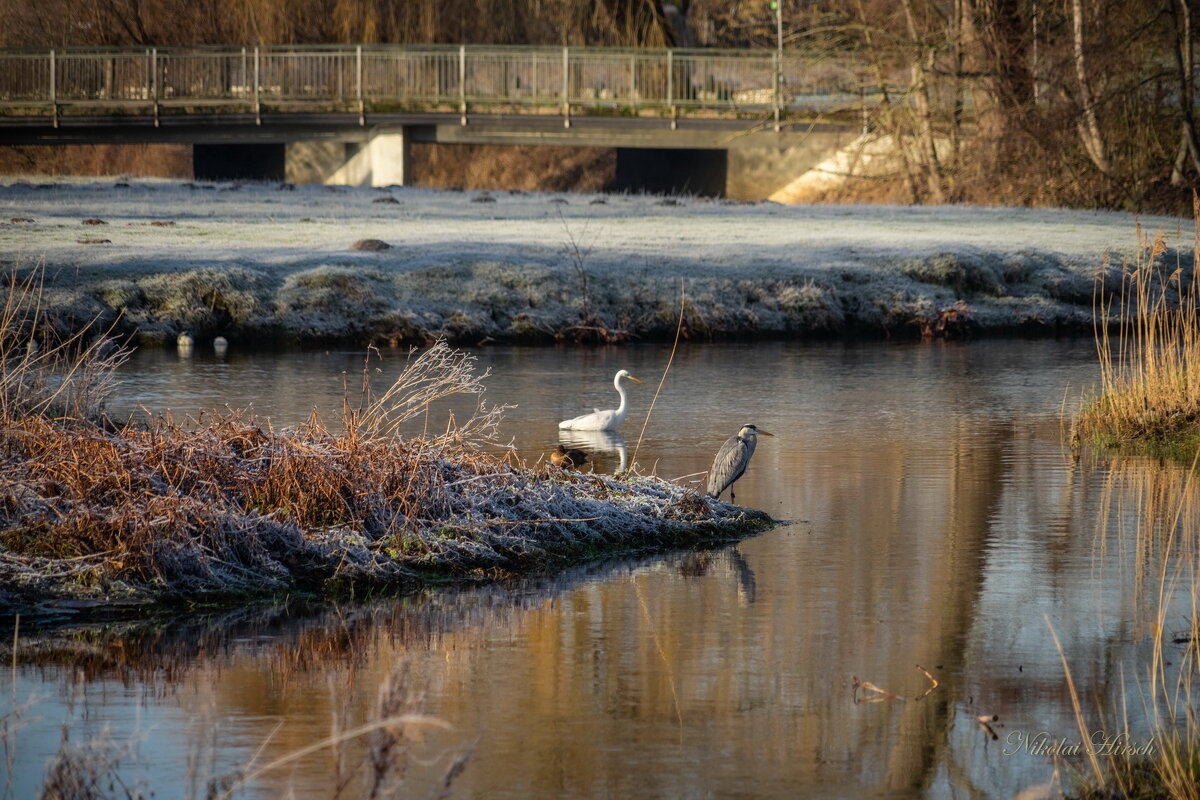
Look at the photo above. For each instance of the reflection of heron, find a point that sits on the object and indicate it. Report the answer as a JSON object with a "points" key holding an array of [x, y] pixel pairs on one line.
{"points": [[747, 585], [731, 460], [562, 457], [598, 442], [606, 420]]}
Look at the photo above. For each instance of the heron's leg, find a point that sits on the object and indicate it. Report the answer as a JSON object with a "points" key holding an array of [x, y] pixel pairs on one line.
{"points": [[732, 496]]}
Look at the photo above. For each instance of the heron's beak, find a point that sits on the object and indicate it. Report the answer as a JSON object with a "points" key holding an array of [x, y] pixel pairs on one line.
{"points": [[638, 380], [761, 432]]}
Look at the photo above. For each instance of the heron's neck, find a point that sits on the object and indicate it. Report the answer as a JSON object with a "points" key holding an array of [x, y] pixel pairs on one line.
{"points": [[620, 391]]}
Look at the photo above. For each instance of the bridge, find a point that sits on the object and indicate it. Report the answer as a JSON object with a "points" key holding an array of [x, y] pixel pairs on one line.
{"points": [[717, 122]]}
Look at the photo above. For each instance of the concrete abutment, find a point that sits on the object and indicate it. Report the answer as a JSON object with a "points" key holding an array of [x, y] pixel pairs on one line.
{"points": [[381, 160]]}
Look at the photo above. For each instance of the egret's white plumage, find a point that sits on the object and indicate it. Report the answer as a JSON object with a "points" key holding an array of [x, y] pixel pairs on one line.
{"points": [[732, 460], [607, 420]]}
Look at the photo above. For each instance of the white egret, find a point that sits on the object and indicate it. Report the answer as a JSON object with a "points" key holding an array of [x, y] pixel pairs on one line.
{"points": [[732, 459], [606, 420]]}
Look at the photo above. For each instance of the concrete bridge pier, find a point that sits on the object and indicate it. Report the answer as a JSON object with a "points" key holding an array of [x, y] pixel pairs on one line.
{"points": [[380, 160]]}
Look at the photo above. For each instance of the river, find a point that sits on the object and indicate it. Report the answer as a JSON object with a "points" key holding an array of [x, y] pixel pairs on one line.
{"points": [[936, 528]]}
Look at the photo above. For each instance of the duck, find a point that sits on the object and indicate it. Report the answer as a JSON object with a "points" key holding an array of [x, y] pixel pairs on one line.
{"points": [[564, 458]]}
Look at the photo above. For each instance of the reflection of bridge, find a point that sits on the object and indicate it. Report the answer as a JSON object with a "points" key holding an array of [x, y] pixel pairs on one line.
{"points": [[347, 113]]}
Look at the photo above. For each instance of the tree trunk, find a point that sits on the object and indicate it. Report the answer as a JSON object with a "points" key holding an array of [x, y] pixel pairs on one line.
{"points": [[1188, 145], [1089, 125], [921, 66]]}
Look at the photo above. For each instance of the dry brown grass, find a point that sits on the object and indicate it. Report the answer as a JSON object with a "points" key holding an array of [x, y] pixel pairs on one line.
{"points": [[142, 160], [1150, 365]]}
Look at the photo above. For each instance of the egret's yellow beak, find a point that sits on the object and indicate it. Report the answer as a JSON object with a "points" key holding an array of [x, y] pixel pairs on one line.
{"points": [[761, 432], [639, 380]]}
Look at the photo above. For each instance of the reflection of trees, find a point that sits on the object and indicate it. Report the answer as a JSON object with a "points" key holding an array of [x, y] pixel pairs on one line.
{"points": [[954, 582]]}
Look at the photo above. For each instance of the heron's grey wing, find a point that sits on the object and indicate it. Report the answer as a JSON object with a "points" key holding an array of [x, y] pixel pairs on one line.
{"points": [[728, 466]]}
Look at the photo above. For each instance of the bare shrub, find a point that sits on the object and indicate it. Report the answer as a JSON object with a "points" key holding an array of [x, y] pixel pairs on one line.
{"points": [[44, 372], [435, 375]]}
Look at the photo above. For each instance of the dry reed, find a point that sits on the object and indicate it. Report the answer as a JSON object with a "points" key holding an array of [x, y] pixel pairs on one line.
{"points": [[1150, 374]]}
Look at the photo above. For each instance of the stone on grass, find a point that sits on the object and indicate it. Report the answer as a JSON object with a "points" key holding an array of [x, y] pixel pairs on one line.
{"points": [[371, 245]]}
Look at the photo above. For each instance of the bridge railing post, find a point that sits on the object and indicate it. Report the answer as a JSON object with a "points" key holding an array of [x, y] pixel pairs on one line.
{"points": [[257, 81], [566, 86], [671, 87], [153, 87], [54, 87], [358, 85], [462, 84]]}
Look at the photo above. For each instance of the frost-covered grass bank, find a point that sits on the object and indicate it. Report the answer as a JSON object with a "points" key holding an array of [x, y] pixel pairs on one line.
{"points": [[257, 261]]}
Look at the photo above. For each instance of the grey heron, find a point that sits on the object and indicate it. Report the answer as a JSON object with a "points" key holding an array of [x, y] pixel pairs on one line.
{"points": [[562, 457], [732, 459], [606, 420]]}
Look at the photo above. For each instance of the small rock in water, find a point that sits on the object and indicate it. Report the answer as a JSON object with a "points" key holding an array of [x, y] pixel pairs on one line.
{"points": [[184, 341], [371, 245]]}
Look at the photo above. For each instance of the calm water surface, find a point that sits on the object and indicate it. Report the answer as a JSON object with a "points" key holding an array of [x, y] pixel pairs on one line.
{"points": [[936, 523]]}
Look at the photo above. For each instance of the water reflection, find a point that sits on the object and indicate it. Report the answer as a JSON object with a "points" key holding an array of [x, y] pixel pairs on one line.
{"points": [[938, 522], [592, 442]]}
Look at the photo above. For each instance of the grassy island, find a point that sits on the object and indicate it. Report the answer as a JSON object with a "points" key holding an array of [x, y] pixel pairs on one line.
{"points": [[94, 512]]}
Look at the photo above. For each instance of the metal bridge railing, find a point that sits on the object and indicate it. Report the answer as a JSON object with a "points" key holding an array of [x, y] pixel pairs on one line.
{"points": [[569, 79]]}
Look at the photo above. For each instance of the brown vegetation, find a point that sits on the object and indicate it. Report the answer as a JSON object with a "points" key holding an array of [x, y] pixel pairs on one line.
{"points": [[172, 22], [1150, 374], [142, 160]]}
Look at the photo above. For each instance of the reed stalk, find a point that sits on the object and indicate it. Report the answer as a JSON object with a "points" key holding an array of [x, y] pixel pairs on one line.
{"points": [[1149, 395], [1162, 503]]}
